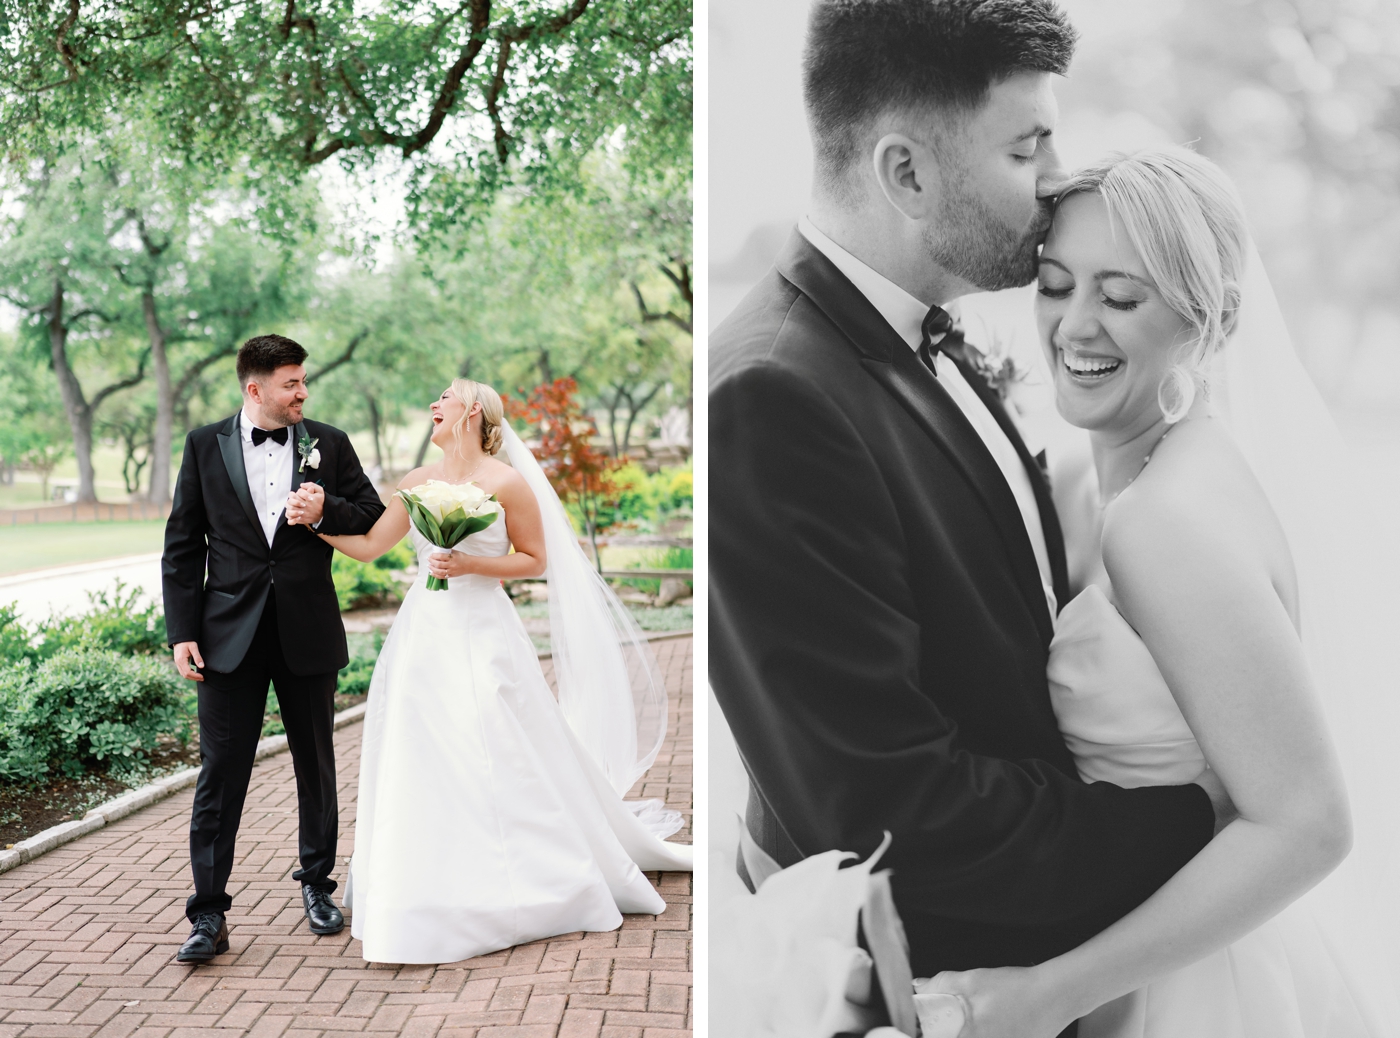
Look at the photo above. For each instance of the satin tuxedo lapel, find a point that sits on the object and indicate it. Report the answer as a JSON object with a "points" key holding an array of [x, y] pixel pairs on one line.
{"points": [[1049, 519], [296, 432], [299, 433], [231, 450], [896, 367]]}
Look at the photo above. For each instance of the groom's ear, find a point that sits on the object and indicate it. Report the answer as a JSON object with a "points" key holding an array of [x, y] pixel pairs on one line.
{"points": [[908, 175]]}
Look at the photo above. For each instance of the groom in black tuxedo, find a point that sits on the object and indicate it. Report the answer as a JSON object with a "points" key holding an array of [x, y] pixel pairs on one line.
{"points": [[248, 602], [886, 563]]}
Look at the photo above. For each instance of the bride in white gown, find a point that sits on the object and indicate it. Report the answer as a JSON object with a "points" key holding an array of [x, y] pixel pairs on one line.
{"points": [[485, 818], [1237, 617]]}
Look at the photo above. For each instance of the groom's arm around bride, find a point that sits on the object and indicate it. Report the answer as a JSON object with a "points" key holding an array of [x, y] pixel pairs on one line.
{"points": [[879, 617]]}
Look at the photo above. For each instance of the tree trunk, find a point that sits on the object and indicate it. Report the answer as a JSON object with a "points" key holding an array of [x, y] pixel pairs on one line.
{"points": [[423, 447], [374, 425], [165, 403], [74, 403]]}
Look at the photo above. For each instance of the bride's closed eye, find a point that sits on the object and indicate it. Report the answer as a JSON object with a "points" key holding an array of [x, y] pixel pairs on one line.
{"points": [[1055, 292]]}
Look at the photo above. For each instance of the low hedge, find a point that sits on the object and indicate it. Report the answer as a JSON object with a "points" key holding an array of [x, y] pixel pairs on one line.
{"points": [[85, 707], [97, 692]]}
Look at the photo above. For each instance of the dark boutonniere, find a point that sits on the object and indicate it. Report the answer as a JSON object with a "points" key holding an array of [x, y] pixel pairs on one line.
{"points": [[1000, 373], [306, 448]]}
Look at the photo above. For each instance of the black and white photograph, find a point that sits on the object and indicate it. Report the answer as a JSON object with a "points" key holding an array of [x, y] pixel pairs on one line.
{"points": [[1054, 435]]}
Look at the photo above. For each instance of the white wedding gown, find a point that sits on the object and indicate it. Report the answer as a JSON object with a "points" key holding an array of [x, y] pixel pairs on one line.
{"points": [[1283, 980], [482, 823]]}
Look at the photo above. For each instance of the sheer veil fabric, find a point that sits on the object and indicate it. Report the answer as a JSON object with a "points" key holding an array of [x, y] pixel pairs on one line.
{"points": [[1335, 517], [610, 690]]}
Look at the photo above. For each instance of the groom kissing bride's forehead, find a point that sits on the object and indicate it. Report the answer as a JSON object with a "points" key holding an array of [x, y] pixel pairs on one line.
{"points": [[932, 129], [882, 666]]}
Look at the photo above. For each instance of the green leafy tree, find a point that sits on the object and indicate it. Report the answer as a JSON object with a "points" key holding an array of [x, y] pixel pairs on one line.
{"points": [[473, 95], [56, 269]]}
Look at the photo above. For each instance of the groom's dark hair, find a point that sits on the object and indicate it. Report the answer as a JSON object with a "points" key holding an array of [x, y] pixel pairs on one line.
{"points": [[264, 354], [866, 57]]}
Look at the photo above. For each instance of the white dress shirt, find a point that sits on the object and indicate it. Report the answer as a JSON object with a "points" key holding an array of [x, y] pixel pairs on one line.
{"points": [[905, 315], [269, 469]]}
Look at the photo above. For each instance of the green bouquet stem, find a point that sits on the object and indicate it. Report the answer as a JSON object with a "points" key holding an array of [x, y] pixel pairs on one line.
{"points": [[453, 528]]}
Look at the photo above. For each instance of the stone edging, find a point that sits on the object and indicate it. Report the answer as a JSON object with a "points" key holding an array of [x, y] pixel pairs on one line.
{"points": [[128, 803]]}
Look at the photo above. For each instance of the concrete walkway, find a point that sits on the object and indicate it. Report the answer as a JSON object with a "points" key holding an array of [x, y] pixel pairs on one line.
{"points": [[64, 589], [88, 935]]}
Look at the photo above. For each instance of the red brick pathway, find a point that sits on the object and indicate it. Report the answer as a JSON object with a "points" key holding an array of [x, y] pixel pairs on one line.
{"points": [[88, 934]]}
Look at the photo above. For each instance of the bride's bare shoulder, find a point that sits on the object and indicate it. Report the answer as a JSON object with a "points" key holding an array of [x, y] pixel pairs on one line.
{"points": [[1196, 504], [506, 481], [418, 476]]}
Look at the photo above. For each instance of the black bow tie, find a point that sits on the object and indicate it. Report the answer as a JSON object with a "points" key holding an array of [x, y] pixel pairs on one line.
{"points": [[938, 325], [280, 435]]}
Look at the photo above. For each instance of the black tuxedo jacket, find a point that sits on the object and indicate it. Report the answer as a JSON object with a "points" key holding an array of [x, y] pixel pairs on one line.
{"points": [[879, 636], [213, 526]]}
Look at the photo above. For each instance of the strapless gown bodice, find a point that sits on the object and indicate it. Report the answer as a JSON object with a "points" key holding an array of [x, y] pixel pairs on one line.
{"points": [[1114, 708], [1283, 980], [492, 542]]}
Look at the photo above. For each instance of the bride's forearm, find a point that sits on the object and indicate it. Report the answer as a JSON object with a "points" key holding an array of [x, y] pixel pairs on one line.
{"points": [[515, 566], [357, 546], [1242, 878], [387, 531]]}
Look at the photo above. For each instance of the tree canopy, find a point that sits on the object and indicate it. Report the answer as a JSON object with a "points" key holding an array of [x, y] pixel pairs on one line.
{"points": [[474, 95]]}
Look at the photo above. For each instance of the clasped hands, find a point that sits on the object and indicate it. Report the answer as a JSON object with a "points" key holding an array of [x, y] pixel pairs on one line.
{"points": [[306, 505]]}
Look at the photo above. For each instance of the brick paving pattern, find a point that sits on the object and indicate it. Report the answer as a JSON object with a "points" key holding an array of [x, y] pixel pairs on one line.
{"points": [[88, 935]]}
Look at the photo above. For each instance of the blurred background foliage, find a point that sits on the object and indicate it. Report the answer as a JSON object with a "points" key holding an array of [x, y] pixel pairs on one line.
{"points": [[413, 190]]}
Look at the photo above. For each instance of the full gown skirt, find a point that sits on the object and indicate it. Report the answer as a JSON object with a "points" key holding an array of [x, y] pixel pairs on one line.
{"points": [[482, 823], [1287, 979]]}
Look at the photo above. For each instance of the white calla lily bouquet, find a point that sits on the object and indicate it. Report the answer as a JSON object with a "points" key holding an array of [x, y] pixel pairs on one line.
{"points": [[448, 513]]}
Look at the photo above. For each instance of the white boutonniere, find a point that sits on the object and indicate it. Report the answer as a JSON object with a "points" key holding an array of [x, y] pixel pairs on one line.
{"points": [[306, 447]]}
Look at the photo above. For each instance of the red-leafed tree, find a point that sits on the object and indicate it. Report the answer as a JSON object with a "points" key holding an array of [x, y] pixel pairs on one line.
{"points": [[580, 473]]}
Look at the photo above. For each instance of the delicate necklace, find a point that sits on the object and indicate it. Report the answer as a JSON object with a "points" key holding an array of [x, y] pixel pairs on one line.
{"points": [[468, 476], [1143, 466]]}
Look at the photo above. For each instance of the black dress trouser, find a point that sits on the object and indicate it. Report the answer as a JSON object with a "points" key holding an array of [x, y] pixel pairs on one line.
{"points": [[231, 708]]}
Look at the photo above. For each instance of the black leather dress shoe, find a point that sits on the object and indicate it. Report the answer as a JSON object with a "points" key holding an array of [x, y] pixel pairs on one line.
{"points": [[321, 913], [208, 938]]}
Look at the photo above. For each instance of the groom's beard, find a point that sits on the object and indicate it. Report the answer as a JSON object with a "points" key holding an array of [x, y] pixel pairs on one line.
{"points": [[281, 415], [973, 243]]}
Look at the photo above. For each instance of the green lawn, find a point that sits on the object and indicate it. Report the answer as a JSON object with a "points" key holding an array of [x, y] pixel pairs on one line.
{"points": [[37, 546], [22, 495]]}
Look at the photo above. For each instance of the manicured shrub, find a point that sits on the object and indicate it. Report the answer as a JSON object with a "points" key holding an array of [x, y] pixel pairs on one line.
{"points": [[85, 707], [115, 621]]}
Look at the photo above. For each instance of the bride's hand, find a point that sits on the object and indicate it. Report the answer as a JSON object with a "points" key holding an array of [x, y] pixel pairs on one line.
{"points": [[1010, 1002], [446, 564]]}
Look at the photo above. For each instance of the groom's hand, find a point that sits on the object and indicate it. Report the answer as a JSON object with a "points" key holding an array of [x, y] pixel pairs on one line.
{"points": [[306, 506], [184, 652]]}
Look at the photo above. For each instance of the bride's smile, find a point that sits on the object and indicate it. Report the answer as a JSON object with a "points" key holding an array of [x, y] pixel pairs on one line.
{"points": [[1109, 336]]}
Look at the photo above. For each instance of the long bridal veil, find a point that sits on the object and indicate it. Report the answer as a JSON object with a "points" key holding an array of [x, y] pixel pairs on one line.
{"points": [[610, 690], [1336, 519]]}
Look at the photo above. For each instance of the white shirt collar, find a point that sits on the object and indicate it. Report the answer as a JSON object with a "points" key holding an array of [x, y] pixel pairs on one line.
{"points": [[901, 311], [246, 425]]}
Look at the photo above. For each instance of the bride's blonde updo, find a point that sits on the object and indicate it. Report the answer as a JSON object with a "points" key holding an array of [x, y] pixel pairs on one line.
{"points": [[1184, 218], [492, 412]]}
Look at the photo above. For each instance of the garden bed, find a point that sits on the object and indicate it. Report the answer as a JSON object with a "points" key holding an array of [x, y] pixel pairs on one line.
{"points": [[28, 809]]}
